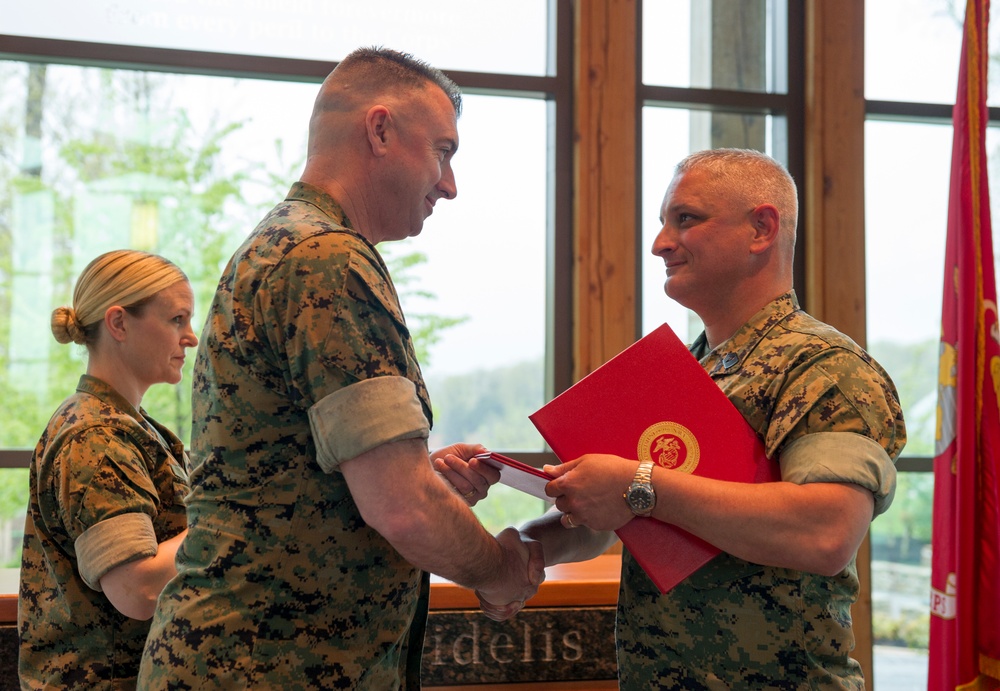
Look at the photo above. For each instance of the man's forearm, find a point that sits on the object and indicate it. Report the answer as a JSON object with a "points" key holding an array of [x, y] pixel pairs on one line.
{"points": [[561, 545], [428, 524]]}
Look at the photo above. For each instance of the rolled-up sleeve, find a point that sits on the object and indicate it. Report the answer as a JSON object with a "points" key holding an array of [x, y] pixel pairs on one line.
{"points": [[113, 542], [360, 417], [841, 457]]}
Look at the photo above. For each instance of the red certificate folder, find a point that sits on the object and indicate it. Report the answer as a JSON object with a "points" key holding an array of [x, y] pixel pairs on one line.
{"points": [[654, 401]]}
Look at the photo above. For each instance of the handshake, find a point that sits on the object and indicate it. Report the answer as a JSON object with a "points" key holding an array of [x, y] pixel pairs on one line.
{"points": [[589, 487], [523, 570], [515, 574]]}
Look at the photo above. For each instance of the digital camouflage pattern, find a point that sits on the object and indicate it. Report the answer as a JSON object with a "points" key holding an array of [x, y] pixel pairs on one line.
{"points": [[738, 625], [97, 459], [282, 584]]}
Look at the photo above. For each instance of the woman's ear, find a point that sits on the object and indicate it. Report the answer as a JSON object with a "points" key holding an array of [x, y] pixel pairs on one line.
{"points": [[114, 322]]}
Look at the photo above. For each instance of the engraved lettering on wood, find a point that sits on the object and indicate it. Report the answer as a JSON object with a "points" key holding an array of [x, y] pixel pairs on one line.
{"points": [[466, 649], [537, 645]]}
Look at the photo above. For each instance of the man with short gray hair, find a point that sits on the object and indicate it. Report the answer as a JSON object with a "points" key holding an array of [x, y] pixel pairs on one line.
{"points": [[315, 509], [773, 610]]}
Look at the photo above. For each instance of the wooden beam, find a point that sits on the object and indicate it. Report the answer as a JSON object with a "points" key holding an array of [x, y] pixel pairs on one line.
{"points": [[834, 220], [606, 181]]}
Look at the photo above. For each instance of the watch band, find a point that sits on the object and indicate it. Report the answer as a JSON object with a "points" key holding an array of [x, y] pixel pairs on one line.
{"points": [[644, 474], [640, 495]]}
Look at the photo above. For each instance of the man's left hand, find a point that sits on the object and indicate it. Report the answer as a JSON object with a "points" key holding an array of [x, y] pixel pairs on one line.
{"points": [[469, 477]]}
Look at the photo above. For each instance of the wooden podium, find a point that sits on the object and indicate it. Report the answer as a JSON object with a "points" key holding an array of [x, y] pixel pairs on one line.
{"points": [[563, 639]]}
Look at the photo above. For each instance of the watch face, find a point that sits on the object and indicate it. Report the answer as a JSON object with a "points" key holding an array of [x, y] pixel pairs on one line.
{"points": [[641, 499]]}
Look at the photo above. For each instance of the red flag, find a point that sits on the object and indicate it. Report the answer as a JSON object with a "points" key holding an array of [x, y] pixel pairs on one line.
{"points": [[965, 568]]}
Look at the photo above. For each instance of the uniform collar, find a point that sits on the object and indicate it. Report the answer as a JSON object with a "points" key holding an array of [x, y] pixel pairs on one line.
{"points": [[304, 192], [729, 355], [106, 393]]}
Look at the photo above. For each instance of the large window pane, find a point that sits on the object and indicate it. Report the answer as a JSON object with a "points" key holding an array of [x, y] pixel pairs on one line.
{"points": [[904, 250], [100, 159], [907, 174], [912, 50], [665, 141], [170, 163], [668, 135], [905, 241], [450, 34], [907, 161], [178, 165], [186, 166], [722, 44], [486, 266]]}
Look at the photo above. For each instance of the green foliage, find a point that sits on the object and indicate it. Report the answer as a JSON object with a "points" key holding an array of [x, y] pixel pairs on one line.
{"points": [[903, 530], [912, 632], [906, 527], [489, 406], [126, 144], [12, 484], [128, 140], [506, 506], [425, 328], [914, 371]]}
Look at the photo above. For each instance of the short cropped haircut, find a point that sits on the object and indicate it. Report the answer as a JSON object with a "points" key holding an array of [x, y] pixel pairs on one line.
{"points": [[386, 69], [753, 178]]}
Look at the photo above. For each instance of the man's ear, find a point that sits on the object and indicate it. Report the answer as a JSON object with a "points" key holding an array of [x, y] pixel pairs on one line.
{"points": [[766, 225], [114, 322], [378, 124]]}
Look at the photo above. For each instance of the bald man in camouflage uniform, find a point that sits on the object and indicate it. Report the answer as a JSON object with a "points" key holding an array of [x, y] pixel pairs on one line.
{"points": [[773, 610], [315, 509]]}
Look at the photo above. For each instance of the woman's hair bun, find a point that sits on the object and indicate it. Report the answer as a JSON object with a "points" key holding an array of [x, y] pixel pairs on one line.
{"points": [[66, 327]]}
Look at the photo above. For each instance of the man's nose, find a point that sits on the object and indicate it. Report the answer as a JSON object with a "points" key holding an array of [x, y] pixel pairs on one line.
{"points": [[447, 186], [665, 241]]}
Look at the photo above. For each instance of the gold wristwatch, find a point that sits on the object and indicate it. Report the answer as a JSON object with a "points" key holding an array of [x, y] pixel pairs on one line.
{"points": [[640, 496]]}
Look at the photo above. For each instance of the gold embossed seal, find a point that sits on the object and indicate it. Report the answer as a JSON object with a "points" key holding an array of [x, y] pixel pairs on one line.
{"points": [[670, 445]]}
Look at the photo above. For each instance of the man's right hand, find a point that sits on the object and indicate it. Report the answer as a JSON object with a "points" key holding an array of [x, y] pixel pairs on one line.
{"points": [[523, 571]]}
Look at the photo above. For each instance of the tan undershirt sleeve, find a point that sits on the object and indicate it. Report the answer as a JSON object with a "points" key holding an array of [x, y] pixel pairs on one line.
{"points": [[365, 415], [114, 542], [841, 457]]}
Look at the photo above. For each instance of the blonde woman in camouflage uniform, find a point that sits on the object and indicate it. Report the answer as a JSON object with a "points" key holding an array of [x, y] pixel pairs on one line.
{"points": [[774, 610], [106, 510]]}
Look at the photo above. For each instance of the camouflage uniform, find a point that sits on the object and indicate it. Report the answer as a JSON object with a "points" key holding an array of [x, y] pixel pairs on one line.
{"points": [[305, 361], [828, 413], [107, 486]]}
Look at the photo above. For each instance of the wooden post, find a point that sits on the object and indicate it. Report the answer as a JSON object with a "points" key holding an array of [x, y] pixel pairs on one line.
{"points": [[606, 177], [834, 195]]}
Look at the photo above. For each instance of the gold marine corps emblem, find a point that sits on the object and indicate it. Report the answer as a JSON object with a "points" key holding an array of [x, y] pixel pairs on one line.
{"points": [[669, 445]]}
